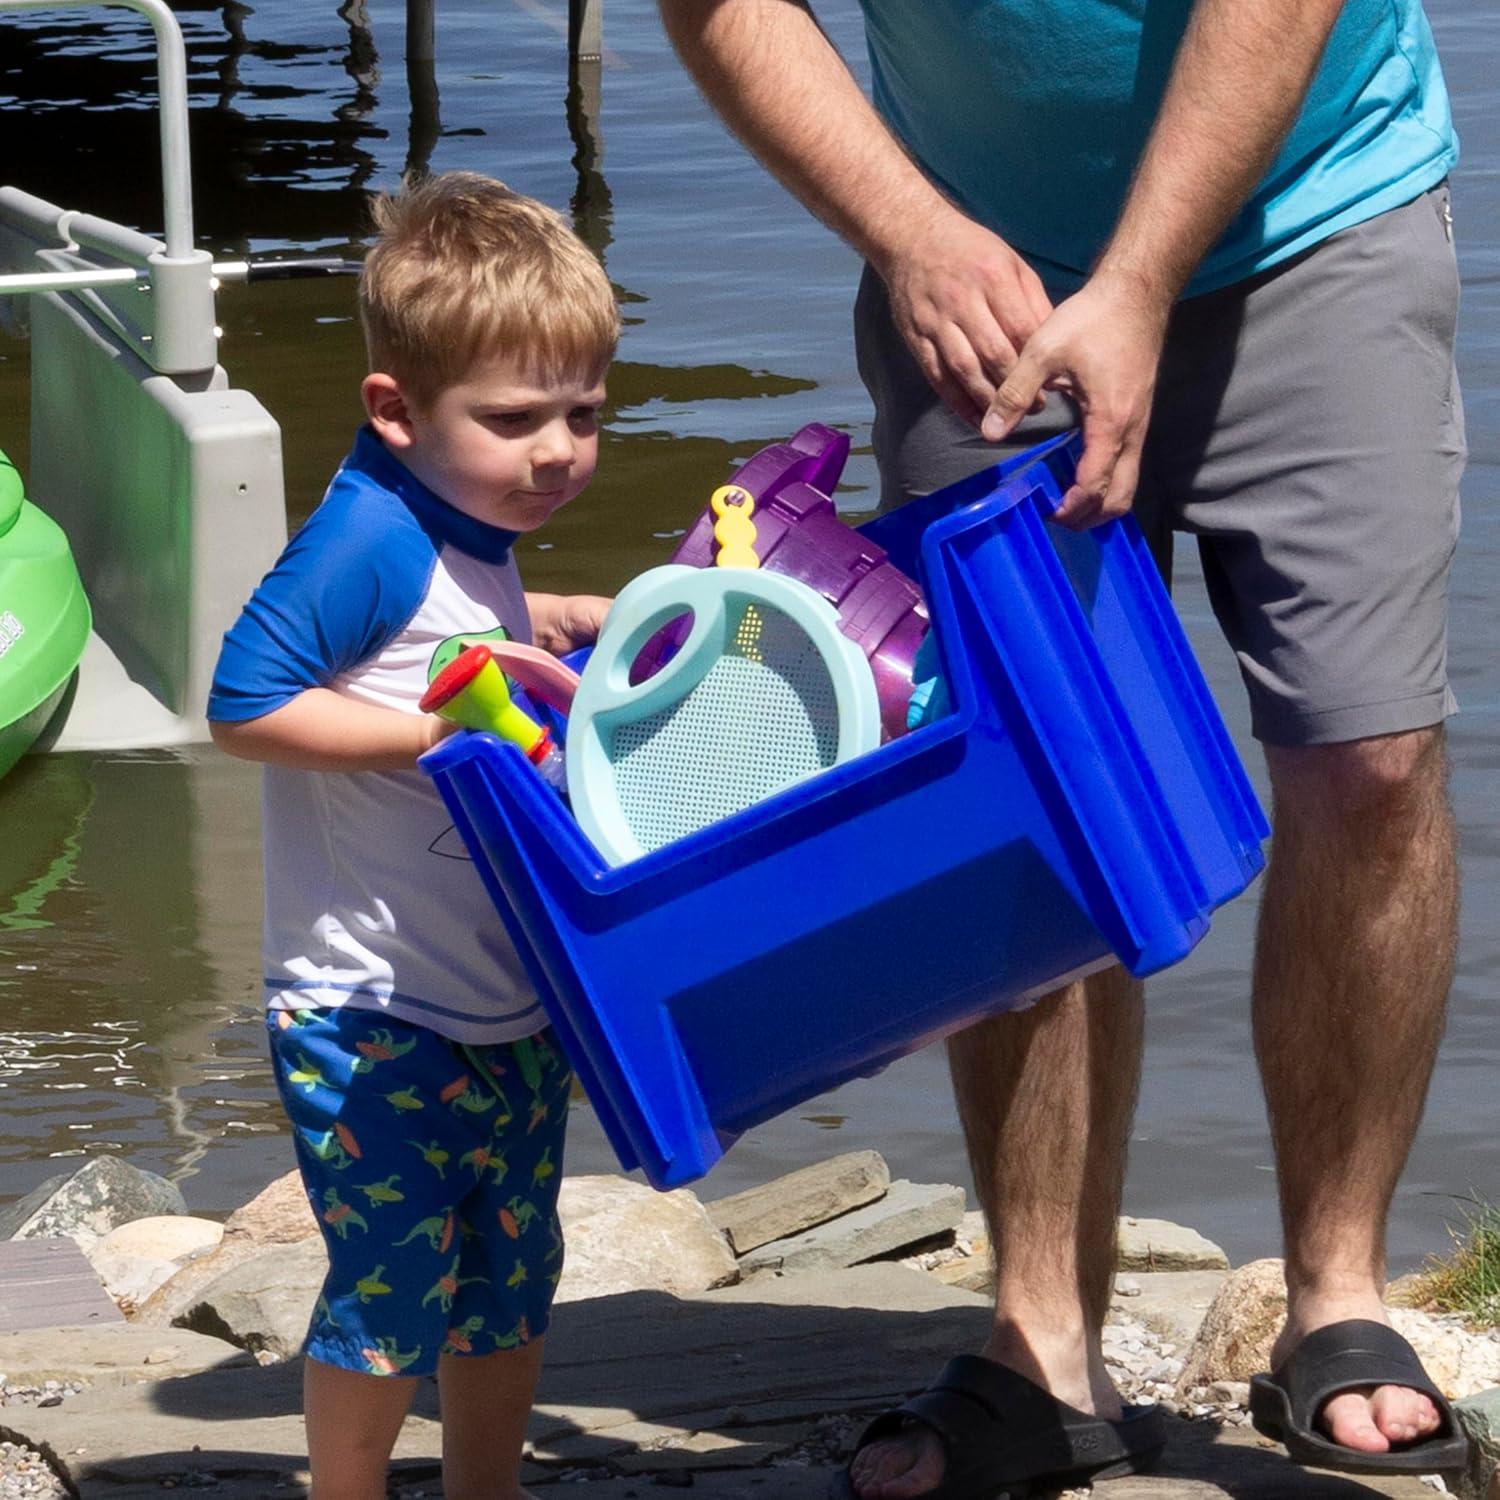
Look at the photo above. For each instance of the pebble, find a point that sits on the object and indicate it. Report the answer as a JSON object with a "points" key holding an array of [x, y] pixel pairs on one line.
{"points": [[24, 1473]]}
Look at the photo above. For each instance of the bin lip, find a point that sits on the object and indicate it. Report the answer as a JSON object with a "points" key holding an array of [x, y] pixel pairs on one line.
{"points": [[742, 829], [996, 490]]}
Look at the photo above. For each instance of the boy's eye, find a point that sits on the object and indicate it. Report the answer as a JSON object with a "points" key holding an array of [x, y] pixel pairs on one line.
{"points": [[584, 415], [512, 420]]}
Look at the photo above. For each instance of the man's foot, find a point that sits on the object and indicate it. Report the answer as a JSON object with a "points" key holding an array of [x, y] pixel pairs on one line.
{"points": [[1351, 1395], [1371, 1419], [913, 1462]]}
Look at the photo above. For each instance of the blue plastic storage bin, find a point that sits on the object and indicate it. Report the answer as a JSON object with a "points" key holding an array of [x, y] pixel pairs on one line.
{"points": [[1082, 802]]}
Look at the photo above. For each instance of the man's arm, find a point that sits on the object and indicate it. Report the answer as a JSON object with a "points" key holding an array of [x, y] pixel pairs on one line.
{"points": [[1237, 84], [964, 301]]}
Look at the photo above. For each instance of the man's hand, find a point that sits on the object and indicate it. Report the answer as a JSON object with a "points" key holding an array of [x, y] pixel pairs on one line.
{"points": [[1101, 347], [966, 304], [563, 622]]}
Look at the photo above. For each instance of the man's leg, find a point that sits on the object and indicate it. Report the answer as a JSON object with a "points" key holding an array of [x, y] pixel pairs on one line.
{"points": [[1358, 925], [1046, 1098]]}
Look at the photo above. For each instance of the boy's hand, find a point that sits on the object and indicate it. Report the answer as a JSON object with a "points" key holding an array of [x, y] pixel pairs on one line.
{"points": [[563, 622]]}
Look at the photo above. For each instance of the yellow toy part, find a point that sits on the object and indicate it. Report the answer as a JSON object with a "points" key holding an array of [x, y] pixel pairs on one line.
{"points": [[734, 531], [471, 691]]}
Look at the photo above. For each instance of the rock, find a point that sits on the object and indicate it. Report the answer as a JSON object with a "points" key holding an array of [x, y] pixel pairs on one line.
{"points": [[116, 1353], [130, 1279], [1460, 1362], [264, 1303], [136, 1258], [623, 1236], [163, 1237], [1479, 1416], [1172, 1304], [1239, 1328], [973, 1273], [85, 1205], [1157, 1245], [800, 1200], [909, 1213], [278, 1215]]}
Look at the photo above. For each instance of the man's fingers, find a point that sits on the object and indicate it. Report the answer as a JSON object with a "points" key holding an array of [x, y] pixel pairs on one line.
{"points": [[1018, 395], [1108, 472]]}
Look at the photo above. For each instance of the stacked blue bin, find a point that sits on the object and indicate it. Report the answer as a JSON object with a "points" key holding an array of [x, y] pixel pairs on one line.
{"points": [[1081, 803]]}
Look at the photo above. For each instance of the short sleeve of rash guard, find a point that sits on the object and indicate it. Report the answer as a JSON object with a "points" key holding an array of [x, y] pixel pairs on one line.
{"points": [[349, 580]]}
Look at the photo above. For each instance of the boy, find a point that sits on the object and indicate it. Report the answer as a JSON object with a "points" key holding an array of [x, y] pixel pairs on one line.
{"points": [[427, 1103]]}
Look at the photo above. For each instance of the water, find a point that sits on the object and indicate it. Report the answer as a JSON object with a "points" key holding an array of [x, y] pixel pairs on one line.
{"points": [[129, 900]]}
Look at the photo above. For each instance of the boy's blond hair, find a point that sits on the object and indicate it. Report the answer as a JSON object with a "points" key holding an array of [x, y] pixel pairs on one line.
{"points": [[464, 269]]}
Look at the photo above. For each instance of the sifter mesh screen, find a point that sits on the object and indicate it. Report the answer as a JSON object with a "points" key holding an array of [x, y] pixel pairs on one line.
{"points": [[762, 717]]}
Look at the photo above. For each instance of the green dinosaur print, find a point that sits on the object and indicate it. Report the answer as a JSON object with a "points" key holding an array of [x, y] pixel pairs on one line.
{"points": [[518, 1336], [438, 1232], [518, 1276], [324, 1313], [434, 1155], [445, 1288], [382, 1192], [460, 1340], [403, 1099], [544, 1169], [325, 1145], [380, 1046], [371, 1286], [306, 1075], [387, 1357], [484, 1159], [341, 1217], [521, 1215]]}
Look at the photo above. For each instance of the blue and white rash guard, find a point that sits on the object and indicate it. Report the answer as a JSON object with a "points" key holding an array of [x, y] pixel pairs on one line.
{"points": [[370, 898]]}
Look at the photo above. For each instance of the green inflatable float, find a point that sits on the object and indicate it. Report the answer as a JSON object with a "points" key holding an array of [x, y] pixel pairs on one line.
{"points": [[44, 618]]}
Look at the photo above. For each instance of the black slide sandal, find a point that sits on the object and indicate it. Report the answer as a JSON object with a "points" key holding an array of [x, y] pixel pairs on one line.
{"points": [[1354, 1355], [1005, 1438]]}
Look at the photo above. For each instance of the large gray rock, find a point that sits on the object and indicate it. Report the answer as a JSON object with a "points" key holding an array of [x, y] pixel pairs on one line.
{"points": [[263, 1304], [85, 1205], [801, 1199], [278, 1215], [624, 1237], [1480, 1417], [908, 1214], [1159, 1245]]}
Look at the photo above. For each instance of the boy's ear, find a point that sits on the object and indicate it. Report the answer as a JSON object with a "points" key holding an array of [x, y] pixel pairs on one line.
{"points": [[388, 409]]}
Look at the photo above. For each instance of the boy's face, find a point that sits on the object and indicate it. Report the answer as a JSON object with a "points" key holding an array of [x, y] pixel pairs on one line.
{"points": [[504, 447]]}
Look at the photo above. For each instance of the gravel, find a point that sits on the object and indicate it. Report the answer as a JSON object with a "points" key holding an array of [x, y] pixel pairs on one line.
{"points": [[24, 1473]]}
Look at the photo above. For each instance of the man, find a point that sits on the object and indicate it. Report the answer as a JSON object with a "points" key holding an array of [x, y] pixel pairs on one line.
{"points": [[1217, 232]]}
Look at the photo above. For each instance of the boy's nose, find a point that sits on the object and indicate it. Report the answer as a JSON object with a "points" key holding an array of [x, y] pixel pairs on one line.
{"points": [[554, 447]]}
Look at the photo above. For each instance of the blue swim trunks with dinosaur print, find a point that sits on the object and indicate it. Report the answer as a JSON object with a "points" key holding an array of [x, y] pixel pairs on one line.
{"points": [[433, 1168]]}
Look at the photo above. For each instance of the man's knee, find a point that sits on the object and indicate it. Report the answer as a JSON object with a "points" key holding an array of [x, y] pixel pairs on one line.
{"points": [[1386, 779]]}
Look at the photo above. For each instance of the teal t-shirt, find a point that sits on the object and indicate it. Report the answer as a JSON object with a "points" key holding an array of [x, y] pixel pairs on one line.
{"points": [[1032, 114]]}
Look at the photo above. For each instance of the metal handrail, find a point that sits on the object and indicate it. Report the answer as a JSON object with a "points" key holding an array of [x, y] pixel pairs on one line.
{"points": [[171, 55]]}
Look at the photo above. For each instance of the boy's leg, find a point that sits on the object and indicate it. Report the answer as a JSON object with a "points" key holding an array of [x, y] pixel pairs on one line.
{"points": [[353, 1421], [511, 1262], [486, 1401]]}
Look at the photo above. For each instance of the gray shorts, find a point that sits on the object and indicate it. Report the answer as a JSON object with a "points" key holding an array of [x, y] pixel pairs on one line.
{"points": [[1308, 430]]}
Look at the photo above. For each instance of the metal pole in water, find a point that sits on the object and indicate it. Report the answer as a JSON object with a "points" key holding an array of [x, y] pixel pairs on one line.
{"points": [[420, 45], [585, 30]]}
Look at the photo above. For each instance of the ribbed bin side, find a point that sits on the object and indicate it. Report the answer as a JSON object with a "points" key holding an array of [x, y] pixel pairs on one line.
{"points": [[1078, 805]]}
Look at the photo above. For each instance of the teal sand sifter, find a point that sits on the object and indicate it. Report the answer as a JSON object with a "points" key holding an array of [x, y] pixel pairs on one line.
{"points": [[1080, 804]]}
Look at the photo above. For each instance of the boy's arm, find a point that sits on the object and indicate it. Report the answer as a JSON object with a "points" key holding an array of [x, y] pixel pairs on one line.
{"points": [[563, 622], [320, 730]]}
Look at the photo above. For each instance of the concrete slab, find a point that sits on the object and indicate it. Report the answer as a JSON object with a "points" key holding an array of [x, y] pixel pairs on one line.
{"points": [[728, 1392]]}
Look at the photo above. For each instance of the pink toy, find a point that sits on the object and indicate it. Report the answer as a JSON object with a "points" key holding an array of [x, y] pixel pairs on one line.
{"points": [[540, 673]]}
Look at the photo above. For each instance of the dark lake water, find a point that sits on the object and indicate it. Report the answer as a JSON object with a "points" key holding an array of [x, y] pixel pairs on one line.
{"points": [[129, 884]]}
